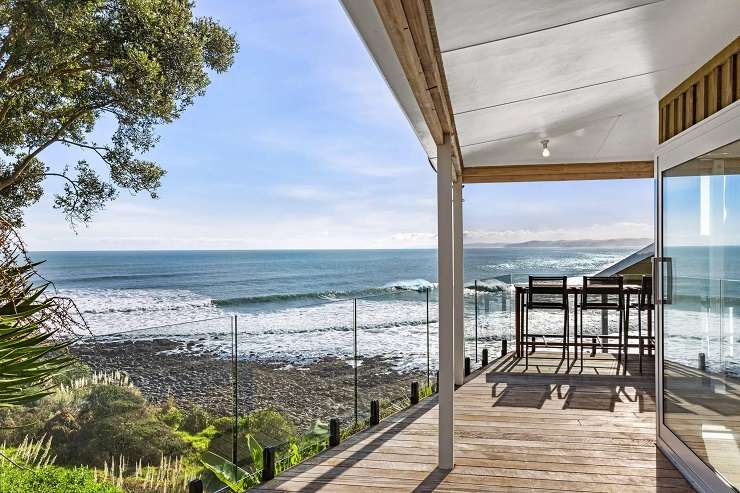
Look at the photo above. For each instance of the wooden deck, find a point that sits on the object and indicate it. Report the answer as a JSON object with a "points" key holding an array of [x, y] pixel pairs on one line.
{"points": [[537, 428]]}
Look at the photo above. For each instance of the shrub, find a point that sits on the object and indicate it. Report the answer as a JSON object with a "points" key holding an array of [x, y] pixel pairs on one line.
{"points": [[171, 415], [225, 423], [50, 479], [265, 427], [195, 420], [113, 421], [269, 427]]}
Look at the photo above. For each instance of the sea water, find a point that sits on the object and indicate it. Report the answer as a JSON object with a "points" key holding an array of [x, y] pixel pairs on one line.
{"points": [[297, 306]]}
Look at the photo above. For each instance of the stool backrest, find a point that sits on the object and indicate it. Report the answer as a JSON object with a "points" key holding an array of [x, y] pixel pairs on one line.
{"points": [[605, 293], [646, 293], [548, 292]]}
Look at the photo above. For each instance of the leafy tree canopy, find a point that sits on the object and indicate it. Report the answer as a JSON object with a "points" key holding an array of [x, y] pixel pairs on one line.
{"points": [[66, 64]]}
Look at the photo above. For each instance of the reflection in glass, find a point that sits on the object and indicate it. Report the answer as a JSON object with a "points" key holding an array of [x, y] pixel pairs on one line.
{"points": [[701, 346]]}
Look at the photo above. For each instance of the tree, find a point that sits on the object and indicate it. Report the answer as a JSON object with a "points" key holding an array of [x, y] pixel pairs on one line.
{"points": [[67, 64]]}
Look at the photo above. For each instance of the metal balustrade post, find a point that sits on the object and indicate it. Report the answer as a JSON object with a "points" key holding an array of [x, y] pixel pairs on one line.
{"points": [[414, 393], [354, 325], [235, 433], [268, 464], [334, 432], [476, 319], [374, 412], [427, 290]]}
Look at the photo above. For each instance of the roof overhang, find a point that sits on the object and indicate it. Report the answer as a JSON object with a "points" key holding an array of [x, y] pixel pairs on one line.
{"points": [[499, 76]]}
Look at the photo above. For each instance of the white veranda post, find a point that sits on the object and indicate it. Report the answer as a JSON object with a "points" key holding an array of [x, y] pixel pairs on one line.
{"points": [[458, 280], [445, 279]]}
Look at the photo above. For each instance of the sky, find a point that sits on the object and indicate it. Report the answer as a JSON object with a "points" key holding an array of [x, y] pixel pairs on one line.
{"points": [[302, 145]]}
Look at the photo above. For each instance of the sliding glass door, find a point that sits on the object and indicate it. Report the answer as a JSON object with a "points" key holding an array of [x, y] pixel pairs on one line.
{"points": [[698, 273]]}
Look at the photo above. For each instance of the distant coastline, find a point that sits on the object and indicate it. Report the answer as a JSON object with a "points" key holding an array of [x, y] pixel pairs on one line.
{"points": [[585, 243]]}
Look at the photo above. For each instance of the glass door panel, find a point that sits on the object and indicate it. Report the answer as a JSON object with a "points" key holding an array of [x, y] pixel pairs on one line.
{"points": [[701, 340]]}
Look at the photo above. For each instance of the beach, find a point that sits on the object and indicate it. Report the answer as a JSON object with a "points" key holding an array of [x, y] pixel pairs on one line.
{"points": [[302, 391]]}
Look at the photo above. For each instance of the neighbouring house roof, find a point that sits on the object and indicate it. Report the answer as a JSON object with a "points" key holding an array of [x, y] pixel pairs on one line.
{"points": [[586, 75], [639, 263]]}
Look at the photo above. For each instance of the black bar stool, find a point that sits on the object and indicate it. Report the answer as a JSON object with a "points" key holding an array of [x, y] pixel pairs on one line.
{"points": [[603, 293], [644, 304], [547, 293]]}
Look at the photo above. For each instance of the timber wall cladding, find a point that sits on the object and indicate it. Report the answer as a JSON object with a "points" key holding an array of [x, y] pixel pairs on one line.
{"points": [[714, 86]]}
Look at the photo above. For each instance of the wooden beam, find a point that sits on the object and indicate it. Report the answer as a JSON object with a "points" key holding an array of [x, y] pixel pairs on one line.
{"points": [[410, 27], [558, 172]]}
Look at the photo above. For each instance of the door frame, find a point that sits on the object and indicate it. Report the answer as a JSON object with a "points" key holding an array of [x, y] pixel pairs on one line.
{"points": [[717, 130]]}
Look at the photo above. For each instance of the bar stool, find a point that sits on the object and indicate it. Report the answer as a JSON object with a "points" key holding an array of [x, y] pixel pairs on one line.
{"points": [[547, 293], [644, 304], [603, 293]]}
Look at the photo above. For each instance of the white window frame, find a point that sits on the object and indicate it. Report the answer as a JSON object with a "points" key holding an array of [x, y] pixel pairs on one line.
{"points": [[717, 130]]}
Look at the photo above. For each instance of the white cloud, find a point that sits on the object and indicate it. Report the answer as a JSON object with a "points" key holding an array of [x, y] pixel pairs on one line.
{"points": [[590, 232]]}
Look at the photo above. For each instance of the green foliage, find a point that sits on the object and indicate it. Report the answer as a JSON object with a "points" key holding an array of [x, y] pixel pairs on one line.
{"points": [[171, 415], [29, 357], [228, 473], [297, 452], [269, 427], [50, 479], [77, 370], [195, 420], [110, 421], [199, 441], [265, 427], [426, 391], [67, 65], [354, 428]]}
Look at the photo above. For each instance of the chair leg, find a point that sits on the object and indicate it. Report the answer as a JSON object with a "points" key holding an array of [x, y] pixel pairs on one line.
{"points": [[626, 328], [526, 337], [651, 346], [624, 331], [575, 326], [565, 331], [567, 334], [619, 346], [580, 341], [639, 335]]}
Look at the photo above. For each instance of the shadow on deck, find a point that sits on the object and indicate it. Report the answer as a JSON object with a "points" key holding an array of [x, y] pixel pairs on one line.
{"points": [[516, 428]]}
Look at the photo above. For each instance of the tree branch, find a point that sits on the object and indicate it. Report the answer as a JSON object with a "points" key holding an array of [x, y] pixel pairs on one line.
{"points": [[62, 175], [23, 164], [97, 149], [15, 81], [4, 110]]}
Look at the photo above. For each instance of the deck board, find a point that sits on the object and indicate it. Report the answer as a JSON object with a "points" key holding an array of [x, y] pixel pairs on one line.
{"points": [[538, 428]]}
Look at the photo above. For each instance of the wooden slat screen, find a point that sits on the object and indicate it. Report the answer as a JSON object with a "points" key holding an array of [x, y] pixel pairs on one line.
{"points": [[714, 86]]}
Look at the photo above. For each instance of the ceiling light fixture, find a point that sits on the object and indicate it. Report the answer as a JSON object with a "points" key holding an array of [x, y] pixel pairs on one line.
{"points": [[545, 150]]}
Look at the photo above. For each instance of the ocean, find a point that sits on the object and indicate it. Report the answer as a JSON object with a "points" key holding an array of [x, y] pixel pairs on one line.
{"points": [[298, 305]]}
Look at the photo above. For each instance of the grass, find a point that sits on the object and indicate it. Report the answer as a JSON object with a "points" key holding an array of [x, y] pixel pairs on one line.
{"points": [[51, 479], [201, 440]]}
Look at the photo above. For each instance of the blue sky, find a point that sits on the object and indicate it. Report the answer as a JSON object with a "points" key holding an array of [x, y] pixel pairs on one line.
{"points": [[301, 145]]}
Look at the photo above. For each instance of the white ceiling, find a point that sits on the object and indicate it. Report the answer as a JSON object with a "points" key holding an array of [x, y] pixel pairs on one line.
{"points": [[585, 74]]}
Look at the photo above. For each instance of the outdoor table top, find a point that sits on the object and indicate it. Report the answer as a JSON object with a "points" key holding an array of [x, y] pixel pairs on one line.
{"points": [[632, 288]]}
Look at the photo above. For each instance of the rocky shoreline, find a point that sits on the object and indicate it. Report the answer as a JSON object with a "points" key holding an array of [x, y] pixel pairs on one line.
{"points": [[194, 375]]}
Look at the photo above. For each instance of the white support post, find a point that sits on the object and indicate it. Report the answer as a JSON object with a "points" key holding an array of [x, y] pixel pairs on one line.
{"points": [[445, 279], [457, 283]]}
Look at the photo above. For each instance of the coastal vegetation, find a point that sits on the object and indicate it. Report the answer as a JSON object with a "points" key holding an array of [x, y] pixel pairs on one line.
{"points": [[98, 433]]}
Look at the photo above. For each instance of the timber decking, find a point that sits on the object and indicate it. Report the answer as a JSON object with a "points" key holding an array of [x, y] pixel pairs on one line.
{"points": [[536, 428]]}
